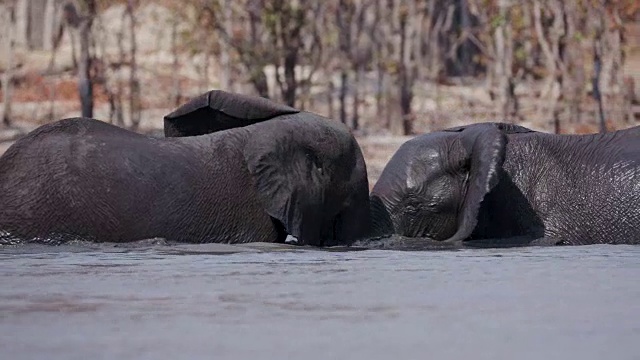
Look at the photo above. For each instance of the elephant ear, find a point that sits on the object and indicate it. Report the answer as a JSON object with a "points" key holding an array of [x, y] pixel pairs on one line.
{"points": [[219, 110], [288, 179], [484, 147]]}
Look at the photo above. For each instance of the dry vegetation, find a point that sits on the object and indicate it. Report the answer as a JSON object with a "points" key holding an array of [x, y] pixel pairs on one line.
{"points": [[383, 67]]}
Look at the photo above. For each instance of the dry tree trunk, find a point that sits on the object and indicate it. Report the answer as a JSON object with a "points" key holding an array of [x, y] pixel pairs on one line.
{"points": [[69, 20], [558, 32], [287, 31], [225, 63], [351, 20], [344, 17], [359, 57], [407, 64], [433, 31], [73, 40], [315, 53], [330, 106], [629, 98], [441, 22], [49, 24], [571, 57], [393, 56], [115, 97], [7, 77], [134, 83], [597, 70], [85, 84], [205, 47], [355, 115], [400, 34], [378, 56], [55, 38], [465, 50], [22, 23], [528, 46], [342, 96], [503, 64], [387, 63], [499, 63], [598, 26], [615, 61], [251, 50], [256, 71], [400, 95], [85, 88], [206, 61], [176, 96], [549, 48], [290, 61]]}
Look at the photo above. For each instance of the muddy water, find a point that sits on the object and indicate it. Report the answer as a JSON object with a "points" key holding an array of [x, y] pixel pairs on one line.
{"points": [[222, 302]]}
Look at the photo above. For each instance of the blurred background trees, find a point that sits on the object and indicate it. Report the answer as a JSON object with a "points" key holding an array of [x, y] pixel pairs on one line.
{"points": [[379, 66]]}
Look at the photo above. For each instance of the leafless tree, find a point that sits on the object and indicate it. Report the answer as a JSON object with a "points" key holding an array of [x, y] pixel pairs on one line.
{"points": [[176, 96], [597, 71], [295, 41], [134, 83], [503, 62], [7, 78], [355, 52], [225, 61], [246, 39], [85, 84]]}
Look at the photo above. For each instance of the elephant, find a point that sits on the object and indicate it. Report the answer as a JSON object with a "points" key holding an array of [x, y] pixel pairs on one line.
{"points": [[499, 182], [259, 173]]}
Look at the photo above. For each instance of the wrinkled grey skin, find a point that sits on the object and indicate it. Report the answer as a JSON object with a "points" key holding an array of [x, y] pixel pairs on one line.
{"points": [[494, 182], [287, 173]]}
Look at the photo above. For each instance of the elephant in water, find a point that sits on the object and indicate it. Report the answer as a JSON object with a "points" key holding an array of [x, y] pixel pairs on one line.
{"points": [[261, 172], [494, 182]]}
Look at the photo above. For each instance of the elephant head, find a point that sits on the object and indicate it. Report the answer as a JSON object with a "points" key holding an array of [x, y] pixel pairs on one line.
{"points": [[434, 184], [313, 181], [308, 171]]}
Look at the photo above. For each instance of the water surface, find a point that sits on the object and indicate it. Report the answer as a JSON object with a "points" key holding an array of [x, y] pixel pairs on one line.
{"points": [[223, 302]]}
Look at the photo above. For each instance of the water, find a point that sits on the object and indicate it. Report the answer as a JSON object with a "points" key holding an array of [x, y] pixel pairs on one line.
{"points": [[204, 302]]}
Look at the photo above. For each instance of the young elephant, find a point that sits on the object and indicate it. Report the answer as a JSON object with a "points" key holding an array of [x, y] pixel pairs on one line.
{"points": [[498, 181], [289, 172]]}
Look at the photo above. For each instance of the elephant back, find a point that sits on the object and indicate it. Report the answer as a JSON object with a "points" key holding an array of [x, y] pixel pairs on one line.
{"points": [[505, 128], [219, 110]]}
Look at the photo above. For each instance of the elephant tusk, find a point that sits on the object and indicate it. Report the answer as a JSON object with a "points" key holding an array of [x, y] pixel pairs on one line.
{"points": [[291, 240]]}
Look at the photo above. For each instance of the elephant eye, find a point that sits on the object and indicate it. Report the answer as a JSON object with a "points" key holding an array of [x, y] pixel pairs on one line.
{"points": [[312, 159], [432, 206], [465, 164], [412, 207], [411, 210]]}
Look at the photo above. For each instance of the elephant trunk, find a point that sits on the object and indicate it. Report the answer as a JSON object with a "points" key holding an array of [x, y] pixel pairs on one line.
{"points": [[323, 227], [381, 223], [353, 223], [332, 230]]}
